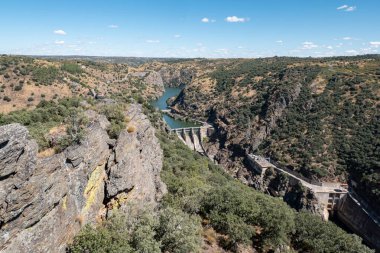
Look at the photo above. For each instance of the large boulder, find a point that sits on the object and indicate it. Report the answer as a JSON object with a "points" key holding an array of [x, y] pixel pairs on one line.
{"points": [[46, 201]]}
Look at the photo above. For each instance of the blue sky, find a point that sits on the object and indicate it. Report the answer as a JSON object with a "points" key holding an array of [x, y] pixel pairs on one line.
{"points": [[190, 28]]}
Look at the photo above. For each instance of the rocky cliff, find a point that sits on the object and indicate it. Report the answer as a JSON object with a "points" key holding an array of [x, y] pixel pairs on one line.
{"points": [[45, 201], [173, 76], [317, 117]]}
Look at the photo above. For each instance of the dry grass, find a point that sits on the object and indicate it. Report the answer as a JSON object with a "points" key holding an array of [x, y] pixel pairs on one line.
{"points": [[131, 129], [46, 153], [127, 119], [318, 85], [79, 219], [210, 236]]}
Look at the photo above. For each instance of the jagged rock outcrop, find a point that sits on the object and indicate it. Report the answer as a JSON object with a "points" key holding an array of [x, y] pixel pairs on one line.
{"points": [[154, 78], [174, 76], [45, 202], [135, 165]]}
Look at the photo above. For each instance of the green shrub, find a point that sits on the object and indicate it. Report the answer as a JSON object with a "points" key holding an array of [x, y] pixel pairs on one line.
{"points": [[71, 68], [46, 115], [76, 124], [314, 235], [115, 114], [244, 215], [141, 232], [18, 87], [45, 75], [179, 232]]}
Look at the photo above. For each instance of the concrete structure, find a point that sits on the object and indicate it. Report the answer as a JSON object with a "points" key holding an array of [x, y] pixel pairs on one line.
{"points": [[356, 215], [348, 206], [192, 136], [327, 194]]}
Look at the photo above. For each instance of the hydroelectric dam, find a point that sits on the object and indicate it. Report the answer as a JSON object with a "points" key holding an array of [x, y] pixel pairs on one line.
{"points": [[193, 136]]}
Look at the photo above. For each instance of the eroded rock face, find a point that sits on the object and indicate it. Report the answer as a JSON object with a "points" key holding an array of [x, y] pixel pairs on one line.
{"points": [[174, 77], [154, 79], [135, 166], [45, 202]]}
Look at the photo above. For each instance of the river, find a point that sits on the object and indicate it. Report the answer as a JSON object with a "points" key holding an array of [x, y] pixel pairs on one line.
{"points": [[160, 104]]}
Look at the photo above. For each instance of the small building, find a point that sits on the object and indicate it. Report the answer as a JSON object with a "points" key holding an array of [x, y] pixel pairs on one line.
{"points": [[259, 163]]}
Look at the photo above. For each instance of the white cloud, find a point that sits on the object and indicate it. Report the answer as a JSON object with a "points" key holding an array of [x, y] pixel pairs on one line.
{"points": [[59, 42], [346, 8], [375, 44], [329, 47], [346, 38], [60, 32], [240, 47], [234, 19], [205, 20], [342, 7], [152, 41], [351, 8], [113, 26], [309, 45], [177, 36], [279, 41]]}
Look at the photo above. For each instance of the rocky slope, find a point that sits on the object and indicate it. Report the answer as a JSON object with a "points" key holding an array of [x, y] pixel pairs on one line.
{"points": [[317, 117], [45, 201], [25, 81]]}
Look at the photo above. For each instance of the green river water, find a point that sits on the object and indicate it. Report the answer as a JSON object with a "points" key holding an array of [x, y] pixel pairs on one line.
{"points": [[160, 103]]}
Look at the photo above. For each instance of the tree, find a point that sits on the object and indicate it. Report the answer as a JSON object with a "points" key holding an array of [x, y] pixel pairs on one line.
{"points": [[179, 232]]}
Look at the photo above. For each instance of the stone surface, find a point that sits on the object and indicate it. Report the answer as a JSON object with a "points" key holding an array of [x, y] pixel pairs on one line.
{"points": [[137, 161], [154, 79], [174, 76], [45, 201]]}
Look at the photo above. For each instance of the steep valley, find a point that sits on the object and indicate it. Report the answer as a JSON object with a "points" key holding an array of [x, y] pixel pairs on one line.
{"points": [[318, 117], [81, 144]]}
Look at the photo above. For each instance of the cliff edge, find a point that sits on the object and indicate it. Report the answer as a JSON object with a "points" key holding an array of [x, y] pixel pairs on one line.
{"points": [[45, 201]]}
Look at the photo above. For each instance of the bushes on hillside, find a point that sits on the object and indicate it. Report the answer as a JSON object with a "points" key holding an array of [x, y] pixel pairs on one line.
{"points": [[47, 115], [168, 231], [115, 115], [71, 68], [245, 216], [315, 235], [200, 190], [45, 75]]}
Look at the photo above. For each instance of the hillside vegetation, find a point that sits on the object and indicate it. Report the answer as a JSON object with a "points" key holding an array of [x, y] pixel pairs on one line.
{"points": [[207, 209], [319, 117], [26, 81]]}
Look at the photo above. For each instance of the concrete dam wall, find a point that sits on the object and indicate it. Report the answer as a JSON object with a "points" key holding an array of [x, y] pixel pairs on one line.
{"points": [[357, 217], [192, 137]]}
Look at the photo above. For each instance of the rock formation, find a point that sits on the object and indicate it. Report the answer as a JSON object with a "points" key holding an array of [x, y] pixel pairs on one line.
{"points": [[174, 76], [45, 201]]}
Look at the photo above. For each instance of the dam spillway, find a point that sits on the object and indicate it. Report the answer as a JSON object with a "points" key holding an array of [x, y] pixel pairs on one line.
{"points": [[192, 136]]}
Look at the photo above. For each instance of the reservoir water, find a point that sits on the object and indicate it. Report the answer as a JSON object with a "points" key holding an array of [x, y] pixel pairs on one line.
{"points": [[160, 104]]}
